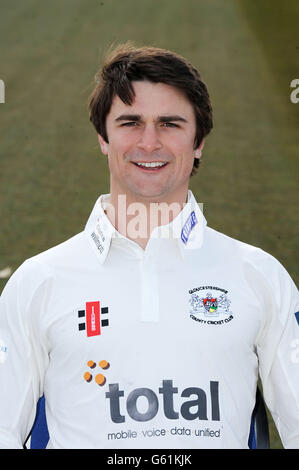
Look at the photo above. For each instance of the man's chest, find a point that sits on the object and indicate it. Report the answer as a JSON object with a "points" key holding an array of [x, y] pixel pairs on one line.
{"points": [[155, 314]]}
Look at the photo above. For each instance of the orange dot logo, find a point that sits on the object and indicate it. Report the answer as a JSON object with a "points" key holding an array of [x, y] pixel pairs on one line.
{"points": [[91, 364], [99, 379], [104, 364], [88, 377]]}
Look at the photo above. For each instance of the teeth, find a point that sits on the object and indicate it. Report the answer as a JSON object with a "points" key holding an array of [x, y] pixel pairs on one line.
{"points": [[151, 164]]}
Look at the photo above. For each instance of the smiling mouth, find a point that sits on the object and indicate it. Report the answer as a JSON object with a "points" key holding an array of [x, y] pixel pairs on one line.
{"points": [[150, 166]]}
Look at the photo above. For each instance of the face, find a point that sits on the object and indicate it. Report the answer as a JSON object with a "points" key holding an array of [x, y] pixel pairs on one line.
{"points": [[151, 143]]}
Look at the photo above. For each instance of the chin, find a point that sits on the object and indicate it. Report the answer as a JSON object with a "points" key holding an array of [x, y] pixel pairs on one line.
{"points": [[150, 193]]}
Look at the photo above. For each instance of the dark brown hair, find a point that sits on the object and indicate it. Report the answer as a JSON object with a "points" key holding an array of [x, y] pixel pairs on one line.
{"points": [[127, 63]]}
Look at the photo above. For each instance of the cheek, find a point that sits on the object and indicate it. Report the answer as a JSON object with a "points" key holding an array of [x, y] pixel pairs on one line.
{"points": [[118, 148], [115, 154], [184, 156]]}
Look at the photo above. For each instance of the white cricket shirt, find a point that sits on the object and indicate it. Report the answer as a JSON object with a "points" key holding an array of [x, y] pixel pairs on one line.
{"points": [[155, 348]]}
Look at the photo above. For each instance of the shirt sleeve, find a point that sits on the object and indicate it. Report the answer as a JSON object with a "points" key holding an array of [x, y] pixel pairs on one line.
{"points": [[23, 356], [278, 352]]}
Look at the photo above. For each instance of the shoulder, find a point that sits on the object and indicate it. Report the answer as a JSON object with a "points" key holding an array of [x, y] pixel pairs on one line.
{"points": [[43, 267], [67, 253], [243, 251], [256, 263]]}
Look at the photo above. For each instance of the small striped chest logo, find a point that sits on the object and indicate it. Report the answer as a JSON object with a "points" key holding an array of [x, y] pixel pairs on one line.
{"points": [[93, 318]]}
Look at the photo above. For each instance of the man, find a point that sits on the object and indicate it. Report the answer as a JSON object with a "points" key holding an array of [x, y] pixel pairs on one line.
{"points": [[149, 329]]}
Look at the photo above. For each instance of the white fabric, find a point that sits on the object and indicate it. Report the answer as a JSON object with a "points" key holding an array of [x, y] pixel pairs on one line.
{"points": [[192, 320]]}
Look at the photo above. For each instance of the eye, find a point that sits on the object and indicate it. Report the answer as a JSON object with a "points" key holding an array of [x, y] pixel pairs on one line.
{"points": [[129, 124], [169, 124]]}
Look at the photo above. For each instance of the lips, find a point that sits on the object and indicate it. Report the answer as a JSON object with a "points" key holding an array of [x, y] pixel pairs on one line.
{"points": [[150, 166]]}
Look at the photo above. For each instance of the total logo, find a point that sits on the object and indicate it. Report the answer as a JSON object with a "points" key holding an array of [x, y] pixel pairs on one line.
{"points": [[122, 403]]}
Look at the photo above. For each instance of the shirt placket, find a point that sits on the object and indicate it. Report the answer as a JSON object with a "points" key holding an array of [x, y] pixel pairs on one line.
{"points": [[149, 287]]}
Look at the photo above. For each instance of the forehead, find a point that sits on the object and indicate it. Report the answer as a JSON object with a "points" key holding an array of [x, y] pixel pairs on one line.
{"points": [[154, 99]]}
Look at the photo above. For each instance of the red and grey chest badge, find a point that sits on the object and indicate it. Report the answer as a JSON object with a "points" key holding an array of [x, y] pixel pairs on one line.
{"points": [[210, 305], [95, 318]]}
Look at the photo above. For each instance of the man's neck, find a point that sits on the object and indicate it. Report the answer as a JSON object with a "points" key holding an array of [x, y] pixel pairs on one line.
{"points": [[136, 217]]}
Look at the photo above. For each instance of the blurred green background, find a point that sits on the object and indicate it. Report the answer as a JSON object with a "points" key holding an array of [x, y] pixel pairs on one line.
{"points": [[51, 168]]}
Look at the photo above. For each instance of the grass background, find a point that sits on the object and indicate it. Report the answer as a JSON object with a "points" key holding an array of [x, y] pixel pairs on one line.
{"points": [[51, 168]]}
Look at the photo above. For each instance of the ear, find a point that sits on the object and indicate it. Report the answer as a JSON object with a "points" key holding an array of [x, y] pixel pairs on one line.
{"points": [[103, 144], [199, 149]]}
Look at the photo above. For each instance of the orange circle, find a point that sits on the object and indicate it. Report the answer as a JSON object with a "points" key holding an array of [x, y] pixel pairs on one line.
{"points": [[91, 364], [104, 364], [87, 376], [100, 379]]}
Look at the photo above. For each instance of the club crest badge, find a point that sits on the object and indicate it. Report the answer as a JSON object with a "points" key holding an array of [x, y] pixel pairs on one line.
{"points": [[210, 305]]}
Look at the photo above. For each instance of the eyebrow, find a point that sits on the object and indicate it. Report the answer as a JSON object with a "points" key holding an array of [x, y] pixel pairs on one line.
{"points": [[137, 117], [128, 117]]}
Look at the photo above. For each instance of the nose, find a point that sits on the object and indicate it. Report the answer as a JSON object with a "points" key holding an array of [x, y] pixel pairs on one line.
{"points": [[149, 139]]}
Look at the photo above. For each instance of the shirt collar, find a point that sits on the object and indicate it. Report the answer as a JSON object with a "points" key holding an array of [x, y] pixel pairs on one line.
{"points": [[187, 228]]}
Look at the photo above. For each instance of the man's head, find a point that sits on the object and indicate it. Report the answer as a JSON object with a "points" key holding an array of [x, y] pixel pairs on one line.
{"points": [[127, 63], [143, 88]]}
